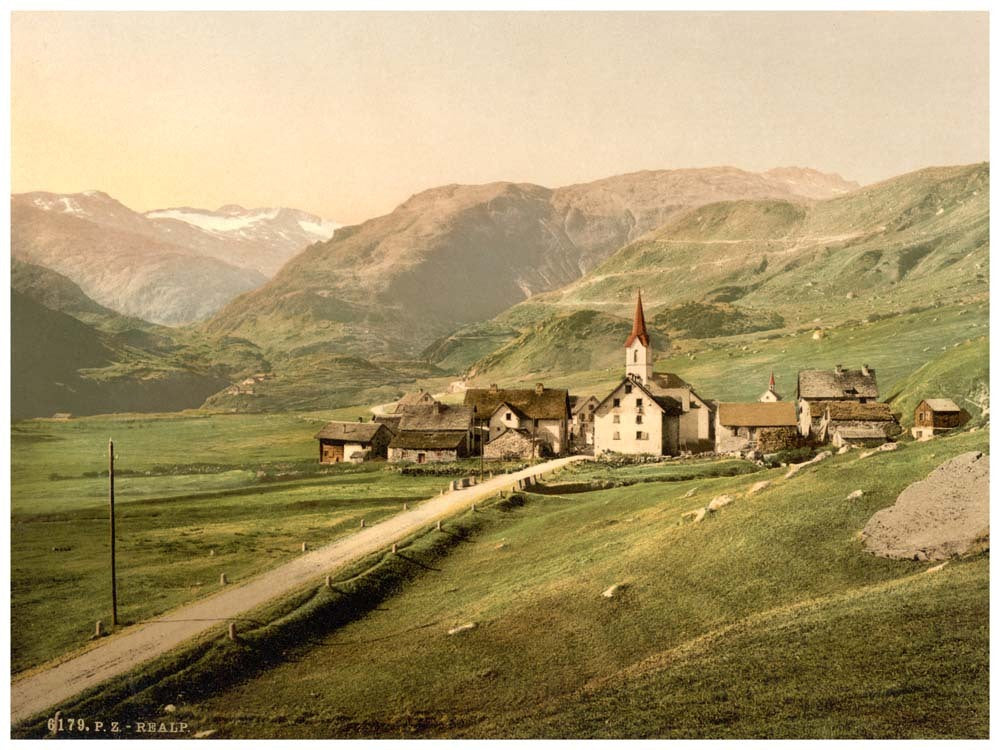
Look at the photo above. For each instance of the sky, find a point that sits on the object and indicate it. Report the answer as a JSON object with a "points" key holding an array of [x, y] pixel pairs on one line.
{"points": [[347, 114]]}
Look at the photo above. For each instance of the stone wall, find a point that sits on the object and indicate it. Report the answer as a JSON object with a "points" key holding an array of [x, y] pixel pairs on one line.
{"points": [[430, 456]]}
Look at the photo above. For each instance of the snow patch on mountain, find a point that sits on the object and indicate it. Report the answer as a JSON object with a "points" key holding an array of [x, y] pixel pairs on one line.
{"points": [[213, 222], [322, 229]]}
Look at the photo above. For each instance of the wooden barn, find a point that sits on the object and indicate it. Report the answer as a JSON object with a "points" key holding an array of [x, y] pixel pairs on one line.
{"points": [[936, 415], [352, 441]]}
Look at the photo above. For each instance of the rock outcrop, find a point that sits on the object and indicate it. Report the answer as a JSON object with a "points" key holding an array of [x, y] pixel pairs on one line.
{"points": [[944, 515]]}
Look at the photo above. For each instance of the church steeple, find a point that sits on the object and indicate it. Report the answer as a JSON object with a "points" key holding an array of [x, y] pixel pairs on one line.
{"points": [[638, 351], [638, 325]]}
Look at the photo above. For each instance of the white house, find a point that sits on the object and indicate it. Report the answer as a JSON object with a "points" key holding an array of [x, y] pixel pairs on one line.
{"points": [[655, 413]]}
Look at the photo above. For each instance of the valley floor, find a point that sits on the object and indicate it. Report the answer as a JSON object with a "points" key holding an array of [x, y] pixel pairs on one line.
{"points": [[765, 619]]}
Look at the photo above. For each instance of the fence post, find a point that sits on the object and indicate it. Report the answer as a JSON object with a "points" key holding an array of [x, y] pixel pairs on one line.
{"points": [[232, 631]]}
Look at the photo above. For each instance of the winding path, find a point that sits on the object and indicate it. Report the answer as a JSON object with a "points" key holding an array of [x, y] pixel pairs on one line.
{"points": [[47, 687]]}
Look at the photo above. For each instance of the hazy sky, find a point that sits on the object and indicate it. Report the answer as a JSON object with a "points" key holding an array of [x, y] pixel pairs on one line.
{"points": [[347, 114]]}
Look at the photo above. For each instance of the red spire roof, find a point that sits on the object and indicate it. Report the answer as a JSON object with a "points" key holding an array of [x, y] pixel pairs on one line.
{"points": [[638, 325], [771, 384]]}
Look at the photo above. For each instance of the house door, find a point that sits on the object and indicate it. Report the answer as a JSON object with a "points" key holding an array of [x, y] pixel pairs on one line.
{"points": [[333, 454], [421, 458]]}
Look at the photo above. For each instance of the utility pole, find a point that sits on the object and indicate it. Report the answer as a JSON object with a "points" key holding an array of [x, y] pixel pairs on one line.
{"points": [[111, 499]]}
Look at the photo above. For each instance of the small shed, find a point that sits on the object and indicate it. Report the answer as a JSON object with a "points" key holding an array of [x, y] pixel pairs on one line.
{"points": [[352, 441], [936, 415], [511, 445], [865, 436], [762, 426], [428, 446], [867, 424]]}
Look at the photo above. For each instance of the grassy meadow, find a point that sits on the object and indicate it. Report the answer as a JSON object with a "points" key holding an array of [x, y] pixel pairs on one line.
{"points": [[196, 495], [766, 619]]}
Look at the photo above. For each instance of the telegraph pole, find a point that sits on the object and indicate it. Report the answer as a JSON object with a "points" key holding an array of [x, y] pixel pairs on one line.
{"points": [[111, 499]]}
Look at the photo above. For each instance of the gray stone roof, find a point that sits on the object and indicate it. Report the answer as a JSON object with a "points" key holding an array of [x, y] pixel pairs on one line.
{"points": [[349, 432], [837, 384], [942, 405], [852, 411], [436, 417], [550, 403], [428, 440]]}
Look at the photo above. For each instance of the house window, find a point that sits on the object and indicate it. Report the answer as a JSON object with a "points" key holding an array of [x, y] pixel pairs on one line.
{"points": [[638, 419], [628, 389], [641, 435], [616, 403], [635, 355], [616, 419], [536, 423], [507, 417], [638, 402], [616, 436]]}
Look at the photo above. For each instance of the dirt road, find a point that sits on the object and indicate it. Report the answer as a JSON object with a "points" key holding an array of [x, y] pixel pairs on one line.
{"points": [[115, 655]]}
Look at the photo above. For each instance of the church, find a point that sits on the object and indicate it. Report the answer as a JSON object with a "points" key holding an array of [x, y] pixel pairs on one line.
{"points": [[651, 413]]}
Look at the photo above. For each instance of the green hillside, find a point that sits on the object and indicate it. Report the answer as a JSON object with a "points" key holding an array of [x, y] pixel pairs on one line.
{"points": [[70, 354], [961, 374], [914, 242], [765, 619]]}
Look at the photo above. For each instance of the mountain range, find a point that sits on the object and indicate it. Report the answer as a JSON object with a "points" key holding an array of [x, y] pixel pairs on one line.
{"points": [[509, 281], [170, 266], [459, 254], [918, 240]]}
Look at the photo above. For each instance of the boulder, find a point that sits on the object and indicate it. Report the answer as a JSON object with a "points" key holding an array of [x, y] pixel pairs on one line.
{"points": [[758, 487], [461, 628], [843, 449], [796, 468], [612, 591], [881, 449], [943, 515], [695, 515], [719, 501], [856, 495]]}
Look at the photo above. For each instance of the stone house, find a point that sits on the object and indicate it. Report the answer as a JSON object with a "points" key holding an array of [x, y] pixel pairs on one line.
{"points": [[853, 423], [837, 384], [541, 412], [435, 432], [647, 412], [581, 426], [761, 426], [417, 399], [428, 446], [936, 415], [352, 441]]}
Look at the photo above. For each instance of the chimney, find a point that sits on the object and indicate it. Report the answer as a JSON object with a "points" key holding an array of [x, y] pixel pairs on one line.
{"points": [[539, 387], [493, 388], [865, 370], [839, 369]]}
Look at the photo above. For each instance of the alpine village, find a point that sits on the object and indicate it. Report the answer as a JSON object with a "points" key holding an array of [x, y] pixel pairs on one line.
{"points": [[647, 414]]}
